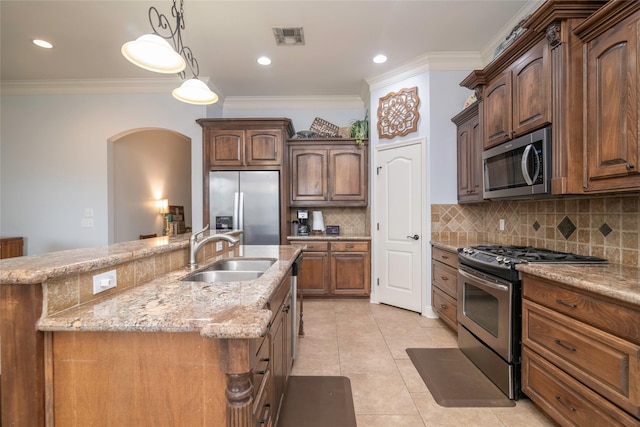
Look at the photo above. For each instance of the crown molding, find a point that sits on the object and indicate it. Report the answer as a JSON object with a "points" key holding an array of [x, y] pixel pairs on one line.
{"points": [[435, 61], [292, 102], [93, 86]]}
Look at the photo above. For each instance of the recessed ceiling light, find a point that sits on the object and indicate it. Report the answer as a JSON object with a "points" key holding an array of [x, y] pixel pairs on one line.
{"points": [[379, 59], [263, 60], [42, 43]]}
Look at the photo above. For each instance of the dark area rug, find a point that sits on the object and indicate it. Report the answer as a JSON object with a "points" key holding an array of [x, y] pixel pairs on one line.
{"points": [[318, 402], [454, 381]]}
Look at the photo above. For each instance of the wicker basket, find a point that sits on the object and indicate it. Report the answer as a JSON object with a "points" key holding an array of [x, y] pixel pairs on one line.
{"points": [[324, 128]]}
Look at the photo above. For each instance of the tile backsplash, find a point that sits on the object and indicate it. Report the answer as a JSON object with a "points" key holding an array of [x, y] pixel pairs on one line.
{"points": [[352, 221], [607, 227]]}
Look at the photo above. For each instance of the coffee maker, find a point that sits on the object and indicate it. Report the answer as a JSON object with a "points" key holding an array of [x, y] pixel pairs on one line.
{"points": [[303, 219]]}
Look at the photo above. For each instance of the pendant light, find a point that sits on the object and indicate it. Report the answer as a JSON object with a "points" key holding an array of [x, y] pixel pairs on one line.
{"points": [[153, 52]]}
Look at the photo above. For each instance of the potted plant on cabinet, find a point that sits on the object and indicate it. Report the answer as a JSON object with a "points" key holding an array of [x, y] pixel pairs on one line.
{"points": [[360, 130]]}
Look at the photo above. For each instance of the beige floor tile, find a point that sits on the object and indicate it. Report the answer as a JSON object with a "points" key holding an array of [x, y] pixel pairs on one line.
{"points": [[519, 419], [412, 379], [316, 366], [442, 337], [379, 393], [389, 421], [394, 327], [366, 360], [316, 347], [399, 344], [324, 328], [426, 322]]}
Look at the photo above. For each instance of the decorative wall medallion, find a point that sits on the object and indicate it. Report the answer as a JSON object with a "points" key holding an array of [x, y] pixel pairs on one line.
{"points": [[398, 113]]}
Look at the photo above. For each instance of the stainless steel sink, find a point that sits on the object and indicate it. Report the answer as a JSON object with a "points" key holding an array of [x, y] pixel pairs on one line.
{"points": [[242, 265], [222, 276]]}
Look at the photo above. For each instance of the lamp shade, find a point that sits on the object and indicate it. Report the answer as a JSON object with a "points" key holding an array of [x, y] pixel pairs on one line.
{"points": [[163, 206], [153, 53], [194, 91]]}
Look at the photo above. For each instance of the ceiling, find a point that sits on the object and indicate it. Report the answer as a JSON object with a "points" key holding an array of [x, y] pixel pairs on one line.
{"points": [[227, 37]]}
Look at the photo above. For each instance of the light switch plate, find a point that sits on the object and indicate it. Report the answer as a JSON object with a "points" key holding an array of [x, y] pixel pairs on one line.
{"points": [[104, 281]]}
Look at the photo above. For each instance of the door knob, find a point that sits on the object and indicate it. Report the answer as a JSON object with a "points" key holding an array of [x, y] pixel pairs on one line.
{"points": [[414, 237]]}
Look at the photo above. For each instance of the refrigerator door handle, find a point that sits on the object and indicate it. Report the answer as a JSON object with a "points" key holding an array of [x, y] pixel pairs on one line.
{"points": [[236, 205], [241, 212]]}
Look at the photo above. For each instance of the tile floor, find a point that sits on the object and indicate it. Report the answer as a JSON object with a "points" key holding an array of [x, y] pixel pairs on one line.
{"points": [[366, 343]]}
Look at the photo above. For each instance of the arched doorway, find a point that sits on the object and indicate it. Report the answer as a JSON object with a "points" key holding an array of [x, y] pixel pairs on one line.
{"points": [[146, 165]]}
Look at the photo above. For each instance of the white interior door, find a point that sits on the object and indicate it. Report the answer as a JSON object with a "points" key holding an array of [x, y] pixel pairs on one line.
{"points": [[399, 226]]}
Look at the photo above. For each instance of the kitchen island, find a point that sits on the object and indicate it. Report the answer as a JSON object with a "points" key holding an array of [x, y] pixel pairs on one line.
{"points": [[155, 350]]}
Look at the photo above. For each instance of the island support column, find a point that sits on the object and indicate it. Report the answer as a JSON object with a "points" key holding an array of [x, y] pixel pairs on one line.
{"points": [[235, 362]]}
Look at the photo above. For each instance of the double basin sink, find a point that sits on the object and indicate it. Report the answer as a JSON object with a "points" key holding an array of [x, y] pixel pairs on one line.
{"points": [[231, 270]]}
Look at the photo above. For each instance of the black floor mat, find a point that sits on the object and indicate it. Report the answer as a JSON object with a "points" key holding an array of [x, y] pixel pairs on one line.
{"points": [[454, 381], [318, 402]]}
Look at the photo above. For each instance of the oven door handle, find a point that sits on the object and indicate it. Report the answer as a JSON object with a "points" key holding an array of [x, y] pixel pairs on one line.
{"points": [[487, 283]]}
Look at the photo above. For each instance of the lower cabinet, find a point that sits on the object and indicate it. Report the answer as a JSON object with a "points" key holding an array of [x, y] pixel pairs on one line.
{"points": [[580, 355], [444, 285], [332, 269], [11, 247]]}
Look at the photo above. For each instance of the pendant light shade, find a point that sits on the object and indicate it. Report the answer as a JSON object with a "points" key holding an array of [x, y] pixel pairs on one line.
{"points": [[194, 91], [153, 53]]}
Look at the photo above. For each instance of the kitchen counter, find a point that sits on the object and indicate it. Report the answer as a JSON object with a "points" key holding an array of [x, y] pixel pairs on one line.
{"points": [[620, 282], [616, 281], [324, 236], [167, 304]]}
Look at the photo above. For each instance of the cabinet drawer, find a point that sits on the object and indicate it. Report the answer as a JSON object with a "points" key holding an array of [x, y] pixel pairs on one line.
{"points": [[314, 246], [613, 318], [261, 367], [566, 400], [607, 364], [446, 307], [446, 278], [447, 257], [349, 246]]}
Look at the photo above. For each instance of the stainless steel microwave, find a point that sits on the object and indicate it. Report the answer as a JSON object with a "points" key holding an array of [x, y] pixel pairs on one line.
{"points": [[519, 168]]}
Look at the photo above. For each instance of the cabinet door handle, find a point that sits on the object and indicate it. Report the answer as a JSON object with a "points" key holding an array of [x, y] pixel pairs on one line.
{"points": [[266, 367], [629, 166], [286, 308], [267, 414], [563, 345], [566, 304], [443, 306], [444, 278], [566, 405]]}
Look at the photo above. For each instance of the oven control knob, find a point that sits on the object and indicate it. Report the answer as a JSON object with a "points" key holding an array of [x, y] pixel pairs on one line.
{"points": [[499, 258], [507, 261]]}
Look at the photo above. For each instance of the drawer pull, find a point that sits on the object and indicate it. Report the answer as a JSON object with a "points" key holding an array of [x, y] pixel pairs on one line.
{"points": [[565, 346], [445, 278], [267, 414], [566, 405], [444, 257], [349, 246], [443, 306], [266, 367], [566, 304], [286, 308]]}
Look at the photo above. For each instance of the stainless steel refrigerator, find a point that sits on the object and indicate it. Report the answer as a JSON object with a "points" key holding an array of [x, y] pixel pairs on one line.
{"points": [[247, 200]]}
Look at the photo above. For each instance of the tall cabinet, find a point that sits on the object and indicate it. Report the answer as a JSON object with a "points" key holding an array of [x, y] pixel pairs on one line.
{"points": [[247, 144], [469, 147]]}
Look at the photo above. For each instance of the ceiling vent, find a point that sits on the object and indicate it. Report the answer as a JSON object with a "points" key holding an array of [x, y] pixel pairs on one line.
{"points": [[289, 36]]}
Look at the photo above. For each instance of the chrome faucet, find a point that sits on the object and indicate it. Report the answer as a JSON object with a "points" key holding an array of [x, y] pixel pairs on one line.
{"points": [[195, 245]]}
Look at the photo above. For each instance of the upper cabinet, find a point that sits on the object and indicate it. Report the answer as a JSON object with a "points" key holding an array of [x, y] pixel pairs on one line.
{"points": [[519, 99], [469, 148], [538, 79], [331, 172], [244, 143], [612, 73]]}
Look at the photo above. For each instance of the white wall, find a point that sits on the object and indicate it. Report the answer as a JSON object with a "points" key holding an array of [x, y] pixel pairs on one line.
{"points": [[54, 161]]}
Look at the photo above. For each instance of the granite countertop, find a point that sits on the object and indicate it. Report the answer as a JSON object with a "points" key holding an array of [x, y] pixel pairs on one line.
{"points": [[325, 236], [621, 282], [167, 304]]}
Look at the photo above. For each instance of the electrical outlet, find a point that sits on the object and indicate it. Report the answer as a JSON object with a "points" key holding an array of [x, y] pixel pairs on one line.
{"points": [[501, 224], [218, 246], [86, 223], [104, 281], [88, 212]]}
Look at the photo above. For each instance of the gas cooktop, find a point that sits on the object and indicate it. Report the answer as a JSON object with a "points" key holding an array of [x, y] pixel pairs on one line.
{"points": [[494, 258]]}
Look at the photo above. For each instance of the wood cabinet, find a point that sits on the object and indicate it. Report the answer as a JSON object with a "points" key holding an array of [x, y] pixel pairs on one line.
{"points": [[538, 79], [332, 269], [328, 173], [11, 247], [469, 149], [581, 355], [246, 144], [519, 99], [612, 74], [444, 285]]}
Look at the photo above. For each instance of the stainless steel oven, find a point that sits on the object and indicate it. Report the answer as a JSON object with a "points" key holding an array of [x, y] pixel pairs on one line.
{"points": [[488, 326], [490, 307]]}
